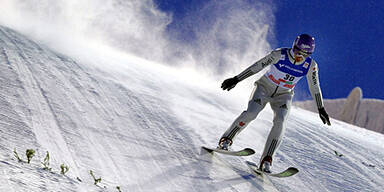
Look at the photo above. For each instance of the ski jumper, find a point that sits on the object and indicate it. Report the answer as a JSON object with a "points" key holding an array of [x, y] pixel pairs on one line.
{"points": [[275, 87]]}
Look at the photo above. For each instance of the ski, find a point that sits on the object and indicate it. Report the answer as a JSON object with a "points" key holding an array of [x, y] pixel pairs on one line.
{"points": [[243, 152], [286, 173]]}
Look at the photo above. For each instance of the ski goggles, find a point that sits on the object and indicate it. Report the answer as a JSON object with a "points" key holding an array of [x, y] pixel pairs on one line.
{"points": [[298, 51]]}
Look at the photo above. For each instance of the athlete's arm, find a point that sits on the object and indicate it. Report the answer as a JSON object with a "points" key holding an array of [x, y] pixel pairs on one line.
{"points": [[259, 65], [314, 88], [271, 58]]}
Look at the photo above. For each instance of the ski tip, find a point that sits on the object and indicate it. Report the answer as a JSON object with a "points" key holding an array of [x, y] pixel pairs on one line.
{"points": [[250, 151], [207, 149], [293, 169]]}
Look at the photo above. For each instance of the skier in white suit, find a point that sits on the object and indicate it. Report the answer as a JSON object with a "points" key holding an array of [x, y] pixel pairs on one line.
{"points": [[288, 66]]}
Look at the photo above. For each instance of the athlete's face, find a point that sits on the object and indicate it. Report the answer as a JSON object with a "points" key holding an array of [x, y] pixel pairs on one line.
{"points": [[299, 58], [299, 54]]}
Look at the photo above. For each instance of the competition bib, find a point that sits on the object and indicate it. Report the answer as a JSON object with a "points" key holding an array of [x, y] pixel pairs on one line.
{"points": [[286, 74]]}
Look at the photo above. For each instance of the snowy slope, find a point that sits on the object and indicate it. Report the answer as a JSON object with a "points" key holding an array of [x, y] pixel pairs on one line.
{"points": [[140, 125]]}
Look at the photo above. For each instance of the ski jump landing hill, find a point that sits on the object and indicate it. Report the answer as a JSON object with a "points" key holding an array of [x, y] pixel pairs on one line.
{"points": [[140, 126]]}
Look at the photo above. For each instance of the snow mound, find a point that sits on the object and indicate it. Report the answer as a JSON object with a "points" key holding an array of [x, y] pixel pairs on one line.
{"points": [[366, 113]]}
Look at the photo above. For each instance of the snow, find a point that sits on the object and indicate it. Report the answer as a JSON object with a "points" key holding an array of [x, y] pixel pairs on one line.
{"points": [[362, 112], [140, 125], [351, 106]]}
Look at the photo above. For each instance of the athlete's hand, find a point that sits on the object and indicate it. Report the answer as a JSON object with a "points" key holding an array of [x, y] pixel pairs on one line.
{"points": [[230, 83], [324, 116]]}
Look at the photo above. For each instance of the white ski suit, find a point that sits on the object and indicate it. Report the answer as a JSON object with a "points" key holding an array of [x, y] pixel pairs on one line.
{"points": [[276, 87]]}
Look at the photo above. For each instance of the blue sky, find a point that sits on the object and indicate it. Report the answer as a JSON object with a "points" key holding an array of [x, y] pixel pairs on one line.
{"points": [[348, 37]]}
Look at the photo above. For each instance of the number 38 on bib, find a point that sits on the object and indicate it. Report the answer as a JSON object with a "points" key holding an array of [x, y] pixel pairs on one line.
{"points": [[285, 74]]}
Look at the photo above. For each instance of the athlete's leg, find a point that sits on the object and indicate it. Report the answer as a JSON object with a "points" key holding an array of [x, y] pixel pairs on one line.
{"points": [[281, 106], [256, 103]]}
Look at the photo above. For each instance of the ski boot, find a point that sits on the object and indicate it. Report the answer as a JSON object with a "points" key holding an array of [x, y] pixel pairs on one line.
{"points": [[224, 144], [266, 164]]}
